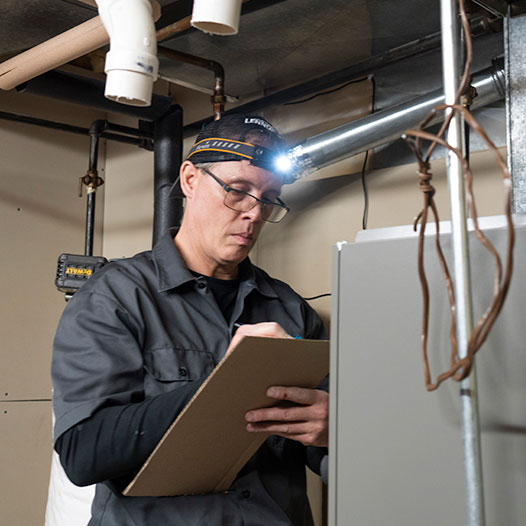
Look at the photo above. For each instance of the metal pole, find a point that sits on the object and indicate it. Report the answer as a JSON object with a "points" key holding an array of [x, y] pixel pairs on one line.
{"points": [[468, 394]]}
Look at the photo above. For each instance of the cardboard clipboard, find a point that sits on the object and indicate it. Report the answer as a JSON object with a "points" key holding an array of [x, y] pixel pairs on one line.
{"points": [[207, 444]]}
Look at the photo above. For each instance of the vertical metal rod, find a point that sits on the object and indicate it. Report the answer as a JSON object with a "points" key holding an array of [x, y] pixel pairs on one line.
{"points": [[469, 405]]}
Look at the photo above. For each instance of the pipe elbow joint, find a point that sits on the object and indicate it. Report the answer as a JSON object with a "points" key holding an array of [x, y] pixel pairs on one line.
{"points": [[131, 64]]}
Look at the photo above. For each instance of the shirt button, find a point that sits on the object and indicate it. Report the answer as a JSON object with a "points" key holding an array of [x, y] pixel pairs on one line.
{"points": [[245, 493], [183, 371], [201, 285]]}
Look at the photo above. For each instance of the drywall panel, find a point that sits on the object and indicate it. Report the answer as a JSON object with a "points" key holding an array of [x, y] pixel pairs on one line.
{"points": [[41, 216], [128, 213], [25, 457]]}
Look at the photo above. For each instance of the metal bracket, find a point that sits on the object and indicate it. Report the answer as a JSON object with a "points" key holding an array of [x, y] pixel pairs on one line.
{"points": [[91, 180]]}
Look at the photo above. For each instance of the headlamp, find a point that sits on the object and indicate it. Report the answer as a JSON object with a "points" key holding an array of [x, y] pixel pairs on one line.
{"points": [[218, 150], [283, 164]]}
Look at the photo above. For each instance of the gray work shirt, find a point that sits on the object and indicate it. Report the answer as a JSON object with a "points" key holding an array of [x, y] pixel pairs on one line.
{"points": [[144, 325]]}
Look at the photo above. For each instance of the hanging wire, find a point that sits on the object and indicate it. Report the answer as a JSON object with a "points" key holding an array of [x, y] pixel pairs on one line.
{"points": [[459, 368], [333, 90], [365, 192], [365, 215]]}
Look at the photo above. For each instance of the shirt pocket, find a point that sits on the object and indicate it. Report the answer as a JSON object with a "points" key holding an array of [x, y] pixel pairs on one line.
{"points": [[167, 365]]}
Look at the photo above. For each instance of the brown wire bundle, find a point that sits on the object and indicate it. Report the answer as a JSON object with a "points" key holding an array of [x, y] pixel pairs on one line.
{"points": [[459, 368]]}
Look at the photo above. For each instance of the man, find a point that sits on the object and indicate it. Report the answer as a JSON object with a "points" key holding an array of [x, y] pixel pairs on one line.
{"points": [[140, 337]]}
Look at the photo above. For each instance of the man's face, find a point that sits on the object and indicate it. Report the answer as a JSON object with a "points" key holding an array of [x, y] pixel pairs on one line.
{"points": [[227, 236]]}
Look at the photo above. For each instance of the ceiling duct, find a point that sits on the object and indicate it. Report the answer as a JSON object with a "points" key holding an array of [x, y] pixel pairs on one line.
{"points": [[387, 125]]}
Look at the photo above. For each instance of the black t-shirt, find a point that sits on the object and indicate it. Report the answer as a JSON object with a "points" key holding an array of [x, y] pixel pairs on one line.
{"points": [[224, 291]]}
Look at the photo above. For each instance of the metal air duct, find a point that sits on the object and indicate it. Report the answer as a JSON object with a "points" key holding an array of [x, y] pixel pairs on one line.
{"points": [[387, 125]]}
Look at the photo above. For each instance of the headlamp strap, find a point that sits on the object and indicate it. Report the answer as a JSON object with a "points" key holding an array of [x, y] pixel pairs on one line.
{"points": [[213, 144]]}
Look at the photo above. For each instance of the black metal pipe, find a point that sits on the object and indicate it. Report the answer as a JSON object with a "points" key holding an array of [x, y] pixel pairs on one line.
{"points": [[90, 92], [90, 223], [42, 122], [428, 43], [167, 158], [135, 132], [96, 129], [14, 117]]}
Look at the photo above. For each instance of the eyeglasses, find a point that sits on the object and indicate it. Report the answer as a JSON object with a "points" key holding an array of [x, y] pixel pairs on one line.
{"points": [[240, 201]]}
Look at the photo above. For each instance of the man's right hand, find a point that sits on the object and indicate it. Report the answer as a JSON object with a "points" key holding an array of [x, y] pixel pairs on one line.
{"points": [[267, 329]]}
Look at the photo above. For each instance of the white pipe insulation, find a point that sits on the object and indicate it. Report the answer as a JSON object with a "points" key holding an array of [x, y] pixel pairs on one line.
{"points": [[131, 64]]}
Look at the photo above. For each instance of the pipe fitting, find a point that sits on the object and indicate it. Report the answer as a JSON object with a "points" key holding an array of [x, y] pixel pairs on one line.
{"points": [[131, 64], [217, 17]]}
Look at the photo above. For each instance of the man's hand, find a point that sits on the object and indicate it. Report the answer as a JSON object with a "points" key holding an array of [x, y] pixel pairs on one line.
{"points": [[267, 329], [307, 421]]}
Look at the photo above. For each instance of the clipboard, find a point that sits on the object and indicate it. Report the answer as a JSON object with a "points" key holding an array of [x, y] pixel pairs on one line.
{"points": [[207, 444]]}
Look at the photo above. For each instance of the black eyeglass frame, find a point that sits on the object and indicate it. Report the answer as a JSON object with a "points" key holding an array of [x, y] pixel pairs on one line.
{"points": [[257, 200]]}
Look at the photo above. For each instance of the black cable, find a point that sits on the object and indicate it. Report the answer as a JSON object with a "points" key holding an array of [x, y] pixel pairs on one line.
{"points": [[364, 166], [318, 296], [365, 193], [325, 92]]}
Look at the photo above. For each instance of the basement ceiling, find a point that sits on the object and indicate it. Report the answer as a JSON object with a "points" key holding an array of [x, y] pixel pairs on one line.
{"points": [[280, 43]]}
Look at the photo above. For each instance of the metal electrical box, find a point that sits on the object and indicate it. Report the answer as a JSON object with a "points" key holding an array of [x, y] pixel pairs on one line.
{"points": [[396, 452]]}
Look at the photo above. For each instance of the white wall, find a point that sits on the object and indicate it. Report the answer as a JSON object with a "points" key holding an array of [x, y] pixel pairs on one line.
{"points": [[41, 216]]}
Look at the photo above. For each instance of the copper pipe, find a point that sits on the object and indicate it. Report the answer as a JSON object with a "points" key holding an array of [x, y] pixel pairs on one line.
{"points": [[218, 98], [173, 29]]}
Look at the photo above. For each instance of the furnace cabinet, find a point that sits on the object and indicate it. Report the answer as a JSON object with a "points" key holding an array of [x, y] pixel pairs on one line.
{"points": [[396, 451]]}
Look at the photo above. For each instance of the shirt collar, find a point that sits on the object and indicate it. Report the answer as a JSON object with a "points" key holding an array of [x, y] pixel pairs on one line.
{"points": [[255, 280], [172, 271]]}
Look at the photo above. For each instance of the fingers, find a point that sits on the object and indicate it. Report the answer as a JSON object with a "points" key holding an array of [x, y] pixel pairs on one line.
{"points": [[280, 414], [299, 395], [308, 433], [268, 329], [307, 421], [302, 432]]}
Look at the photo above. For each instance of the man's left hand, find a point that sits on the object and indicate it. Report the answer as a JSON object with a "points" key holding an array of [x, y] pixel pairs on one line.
{"points": [[306, 421]]}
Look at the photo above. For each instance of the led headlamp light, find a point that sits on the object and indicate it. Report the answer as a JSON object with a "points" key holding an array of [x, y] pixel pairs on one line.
{"points": [[220, 150]]}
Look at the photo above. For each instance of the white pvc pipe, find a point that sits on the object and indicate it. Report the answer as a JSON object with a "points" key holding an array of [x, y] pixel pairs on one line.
{"points": [[218, 17], [131, 63]]}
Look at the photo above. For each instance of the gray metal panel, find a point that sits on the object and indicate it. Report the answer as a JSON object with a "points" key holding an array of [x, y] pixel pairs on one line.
{"points": [[398, 448], [515, 107], [335, 370]]}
